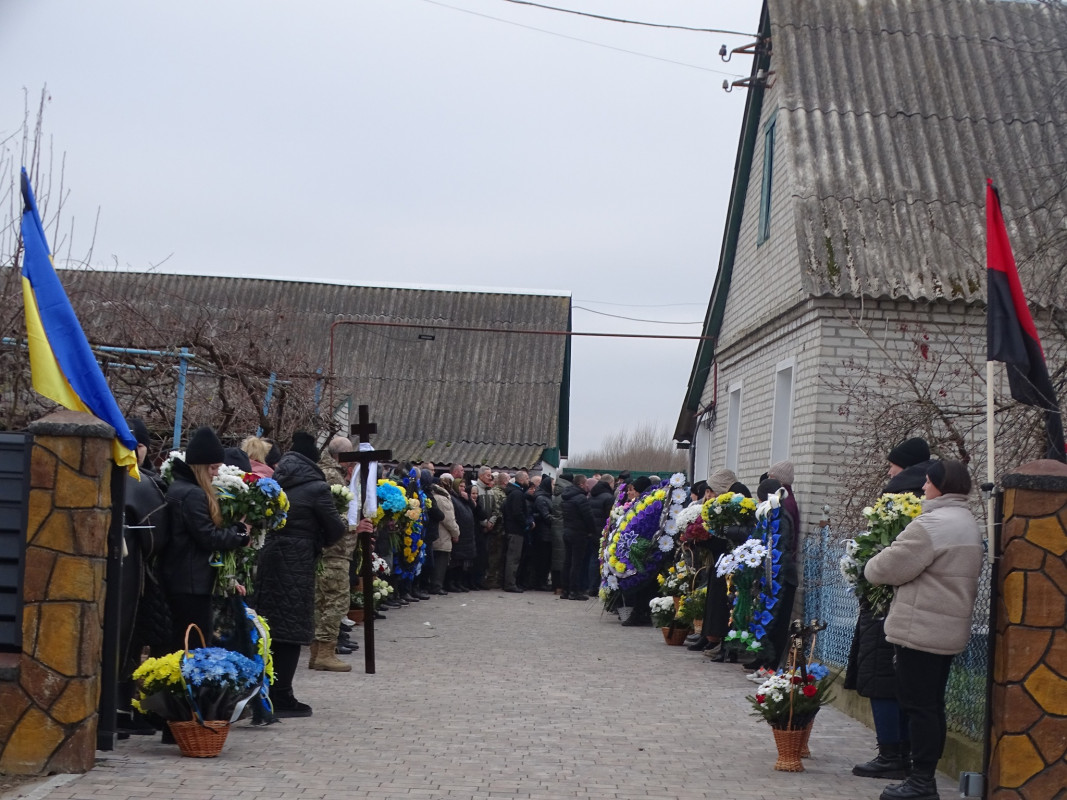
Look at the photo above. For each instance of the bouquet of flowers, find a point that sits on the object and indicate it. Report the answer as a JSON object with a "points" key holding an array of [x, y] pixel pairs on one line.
{"points": [[693, 605], [886, 519], [729, 508], [675, 581], [261, 503], [207, 683], [744, 566], [691, 524], [790, 699], [662, 609], [342, 497]]}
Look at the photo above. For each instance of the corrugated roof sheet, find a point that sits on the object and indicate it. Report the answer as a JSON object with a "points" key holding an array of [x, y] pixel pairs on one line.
{"points": [[501, 390], [895, 113]]}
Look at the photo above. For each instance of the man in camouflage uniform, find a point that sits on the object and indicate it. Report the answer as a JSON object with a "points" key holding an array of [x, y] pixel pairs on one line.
{"points": [[491, 501], [332, 584]]}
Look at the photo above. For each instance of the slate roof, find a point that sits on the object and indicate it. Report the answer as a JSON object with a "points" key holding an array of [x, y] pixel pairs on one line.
{"points": [[897, 111], [458, 396], [893, 114]]}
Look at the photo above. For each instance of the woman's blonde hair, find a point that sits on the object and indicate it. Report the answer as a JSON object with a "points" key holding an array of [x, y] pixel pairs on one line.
{"points": [[203, 480], [256, 448]]}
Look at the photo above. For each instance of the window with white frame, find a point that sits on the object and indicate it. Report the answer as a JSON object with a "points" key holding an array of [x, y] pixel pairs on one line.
{"points": [[782, 421], [733, 427]]}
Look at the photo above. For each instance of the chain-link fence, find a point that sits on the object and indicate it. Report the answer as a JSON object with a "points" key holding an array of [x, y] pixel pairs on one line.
{"points": [[827, 597]]}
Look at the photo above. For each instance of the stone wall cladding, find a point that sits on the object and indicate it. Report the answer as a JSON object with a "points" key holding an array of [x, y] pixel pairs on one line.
{"points": [[1028, 741], [48, 716]]}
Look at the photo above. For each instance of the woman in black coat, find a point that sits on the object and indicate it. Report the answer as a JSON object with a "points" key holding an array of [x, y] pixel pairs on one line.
{"points": [[285, 581], [870, 669], [196, 531], [463, 551]]}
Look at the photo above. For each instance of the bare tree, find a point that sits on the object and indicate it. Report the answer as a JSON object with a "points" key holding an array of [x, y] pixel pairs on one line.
{"points": [[646, 447]]}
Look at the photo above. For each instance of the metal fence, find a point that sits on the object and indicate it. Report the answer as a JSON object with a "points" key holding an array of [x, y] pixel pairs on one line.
{"points": [[828, 598]]}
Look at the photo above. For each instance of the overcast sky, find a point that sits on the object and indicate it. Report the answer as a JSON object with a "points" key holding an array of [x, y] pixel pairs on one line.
{"points": [[408, 142]]}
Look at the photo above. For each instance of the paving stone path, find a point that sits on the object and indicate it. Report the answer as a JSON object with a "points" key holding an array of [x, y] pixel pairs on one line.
{"points": [[493, 695]]}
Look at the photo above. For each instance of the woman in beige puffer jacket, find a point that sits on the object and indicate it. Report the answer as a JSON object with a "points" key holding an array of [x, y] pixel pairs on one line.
{"points": [[448, 532], [934, 564]]}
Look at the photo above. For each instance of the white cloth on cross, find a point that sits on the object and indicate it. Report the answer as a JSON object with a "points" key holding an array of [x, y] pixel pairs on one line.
{"points": [[356, 486]]}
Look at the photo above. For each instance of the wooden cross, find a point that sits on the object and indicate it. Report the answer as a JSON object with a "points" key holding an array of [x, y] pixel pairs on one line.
{"points": [[363, 429]]}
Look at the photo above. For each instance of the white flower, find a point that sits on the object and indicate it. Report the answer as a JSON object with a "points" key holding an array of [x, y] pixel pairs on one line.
{"points": [[688, 515], [752, 561], [678, 496], [717, 509], [851, 547], [671, 527], [613, 582], [666, 544], [678, 479]]}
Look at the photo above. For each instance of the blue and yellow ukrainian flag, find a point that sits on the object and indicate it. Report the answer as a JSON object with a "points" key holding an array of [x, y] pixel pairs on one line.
{"points": [[62, 364]]}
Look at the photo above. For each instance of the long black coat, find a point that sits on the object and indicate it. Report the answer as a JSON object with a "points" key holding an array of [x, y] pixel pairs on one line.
{"points": [[601, 499], [185, 567], [285, 578], [466, 548], [870, 658], [577, 515]]}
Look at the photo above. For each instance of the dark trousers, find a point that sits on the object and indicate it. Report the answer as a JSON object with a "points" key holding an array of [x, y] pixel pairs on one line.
{"points": [[440, 567], [779, 631], [890, 721], [921, 681], [190, 609], [575, 574], [286, 657]]}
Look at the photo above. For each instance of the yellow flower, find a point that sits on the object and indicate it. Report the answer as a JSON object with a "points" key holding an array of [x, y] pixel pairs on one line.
{"points": [[659, 494]]}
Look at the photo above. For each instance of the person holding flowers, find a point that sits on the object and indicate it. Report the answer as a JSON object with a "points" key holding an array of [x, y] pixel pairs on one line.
{"points": [[285, 592], [870, 668], [935, 564], [196, 531]]}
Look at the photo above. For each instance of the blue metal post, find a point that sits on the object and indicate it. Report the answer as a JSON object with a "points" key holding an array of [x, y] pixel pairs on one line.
{"points": [[179, 406], [267, 399]]}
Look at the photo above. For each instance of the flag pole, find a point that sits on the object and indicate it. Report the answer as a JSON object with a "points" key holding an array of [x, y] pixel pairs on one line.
{"points": [[990, 431]]}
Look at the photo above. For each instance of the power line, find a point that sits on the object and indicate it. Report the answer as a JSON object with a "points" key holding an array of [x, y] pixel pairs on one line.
{"points": [[629, 21], [578, 39], [636, 305], [637, 319]]}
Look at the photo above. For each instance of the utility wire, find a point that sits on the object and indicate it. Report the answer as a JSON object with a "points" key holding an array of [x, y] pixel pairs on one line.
{"points": [[636, 305], [583, 41], [630, 21], [637, 319]]}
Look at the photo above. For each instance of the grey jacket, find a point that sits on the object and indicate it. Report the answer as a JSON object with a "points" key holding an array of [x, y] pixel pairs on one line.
{"points": [[935, 564]]}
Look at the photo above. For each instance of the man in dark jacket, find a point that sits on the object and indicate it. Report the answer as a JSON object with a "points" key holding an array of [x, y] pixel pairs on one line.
{"points": [[601, 500], [579, 530], [870, 668], [515, 520]]}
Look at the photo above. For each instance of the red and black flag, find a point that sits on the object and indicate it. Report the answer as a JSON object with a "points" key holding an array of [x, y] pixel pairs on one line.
{"points": [[1012, 335]]}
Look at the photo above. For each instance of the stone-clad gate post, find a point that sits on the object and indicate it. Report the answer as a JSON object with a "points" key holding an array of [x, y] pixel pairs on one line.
{"points": [[1028, 715], [48, 699]]}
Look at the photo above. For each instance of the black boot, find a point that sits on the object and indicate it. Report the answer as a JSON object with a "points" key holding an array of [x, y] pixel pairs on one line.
{"points": [[887, 764], [920, 785], [286, 705]]}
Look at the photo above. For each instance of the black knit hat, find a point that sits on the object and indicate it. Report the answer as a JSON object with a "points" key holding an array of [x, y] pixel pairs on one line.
{"points": [[274, 456], [140, 432], [641, 484], [304, 444], [204, 448], [236, 457], [909, 453]]}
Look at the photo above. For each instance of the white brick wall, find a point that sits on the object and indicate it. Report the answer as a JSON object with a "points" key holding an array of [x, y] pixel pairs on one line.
{"points": [[826, 446]]}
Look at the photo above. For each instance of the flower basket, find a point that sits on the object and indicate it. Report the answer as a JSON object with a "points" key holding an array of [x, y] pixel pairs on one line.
{"points": [[674, 636], [804, 751], [790, 741], [200, 740]]}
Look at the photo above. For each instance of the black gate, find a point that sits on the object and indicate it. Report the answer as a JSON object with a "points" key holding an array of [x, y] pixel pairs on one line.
{"points": [[14, 487]]}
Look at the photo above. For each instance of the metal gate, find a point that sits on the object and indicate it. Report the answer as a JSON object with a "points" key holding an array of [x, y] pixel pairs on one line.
{"points": [[14, 487]]}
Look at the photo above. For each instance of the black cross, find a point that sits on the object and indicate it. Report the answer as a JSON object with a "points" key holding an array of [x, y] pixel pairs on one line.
{"points": [[363, 429]]}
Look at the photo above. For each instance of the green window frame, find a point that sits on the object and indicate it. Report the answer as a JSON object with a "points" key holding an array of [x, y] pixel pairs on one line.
{"points": [[769, 129]]}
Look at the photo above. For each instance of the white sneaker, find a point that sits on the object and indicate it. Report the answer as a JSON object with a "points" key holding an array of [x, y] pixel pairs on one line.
{"points": [[347, 623], [760, 675]]}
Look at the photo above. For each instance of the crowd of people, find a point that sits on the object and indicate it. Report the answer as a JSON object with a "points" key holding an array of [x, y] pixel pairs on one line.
{"points": [[484, 529]]}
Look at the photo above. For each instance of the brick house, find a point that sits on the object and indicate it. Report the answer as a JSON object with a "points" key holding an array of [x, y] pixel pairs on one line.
{"points": [[853, 258]]}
